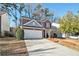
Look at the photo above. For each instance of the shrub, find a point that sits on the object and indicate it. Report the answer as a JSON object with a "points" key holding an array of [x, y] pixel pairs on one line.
{"points": [[19, 33]]}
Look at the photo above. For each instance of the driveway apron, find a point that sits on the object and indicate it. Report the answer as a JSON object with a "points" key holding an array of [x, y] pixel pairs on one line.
{"points": [[44, 47]]}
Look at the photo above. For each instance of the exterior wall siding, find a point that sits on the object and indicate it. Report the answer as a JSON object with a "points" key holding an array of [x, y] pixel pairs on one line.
{"points": [[0, 25], [4, 24]]}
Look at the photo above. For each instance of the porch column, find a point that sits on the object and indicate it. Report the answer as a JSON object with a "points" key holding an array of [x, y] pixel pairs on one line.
{"points": [[49, 33], [45, 33]]}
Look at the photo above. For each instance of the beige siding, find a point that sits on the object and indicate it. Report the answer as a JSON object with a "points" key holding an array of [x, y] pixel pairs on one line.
{"points": [[4, 23]]}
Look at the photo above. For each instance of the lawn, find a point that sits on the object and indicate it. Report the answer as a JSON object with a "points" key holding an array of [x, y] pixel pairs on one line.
{"points": [[71, 43], [11, 46]]}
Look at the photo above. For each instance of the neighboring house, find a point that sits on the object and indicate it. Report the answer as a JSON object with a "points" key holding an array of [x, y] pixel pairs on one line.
{"points": [[4, 23], [55, 29], [36, 28]]}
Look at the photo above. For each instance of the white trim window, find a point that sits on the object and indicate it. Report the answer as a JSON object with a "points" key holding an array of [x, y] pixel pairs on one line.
{"points": [[47, 25]]}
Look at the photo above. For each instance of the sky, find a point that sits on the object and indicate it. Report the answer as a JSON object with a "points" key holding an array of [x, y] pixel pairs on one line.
{"points": [[59, 9]]}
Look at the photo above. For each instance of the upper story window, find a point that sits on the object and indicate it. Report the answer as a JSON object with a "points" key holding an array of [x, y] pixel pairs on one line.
{"points": [[47, 25]]}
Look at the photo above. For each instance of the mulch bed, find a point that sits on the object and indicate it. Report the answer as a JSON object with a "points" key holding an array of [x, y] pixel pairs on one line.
{"points": [[12, 47], [67, 42]]}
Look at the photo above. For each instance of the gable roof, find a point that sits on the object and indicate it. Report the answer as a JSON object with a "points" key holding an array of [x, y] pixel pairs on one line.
{"points": [[25, 20], [33, 23]]}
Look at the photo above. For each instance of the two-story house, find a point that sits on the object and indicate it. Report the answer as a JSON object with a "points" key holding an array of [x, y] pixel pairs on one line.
{"points": [[36, 28], [4, 23]]}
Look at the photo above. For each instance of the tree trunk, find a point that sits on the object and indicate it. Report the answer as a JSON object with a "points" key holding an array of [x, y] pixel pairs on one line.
{"points": [[15, 18]]}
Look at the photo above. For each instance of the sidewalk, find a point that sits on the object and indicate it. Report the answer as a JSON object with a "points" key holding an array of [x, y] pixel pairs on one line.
{"points": [[44, 47]]}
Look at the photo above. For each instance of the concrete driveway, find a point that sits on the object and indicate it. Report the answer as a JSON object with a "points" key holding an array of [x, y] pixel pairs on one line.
{"points": [[44, 47]]}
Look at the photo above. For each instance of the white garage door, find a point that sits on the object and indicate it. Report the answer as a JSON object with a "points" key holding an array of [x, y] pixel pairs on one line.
{"points": [[32, 34]]}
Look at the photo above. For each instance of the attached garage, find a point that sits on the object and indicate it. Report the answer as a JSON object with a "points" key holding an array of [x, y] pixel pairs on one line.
{"points": [[32, 33]]}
